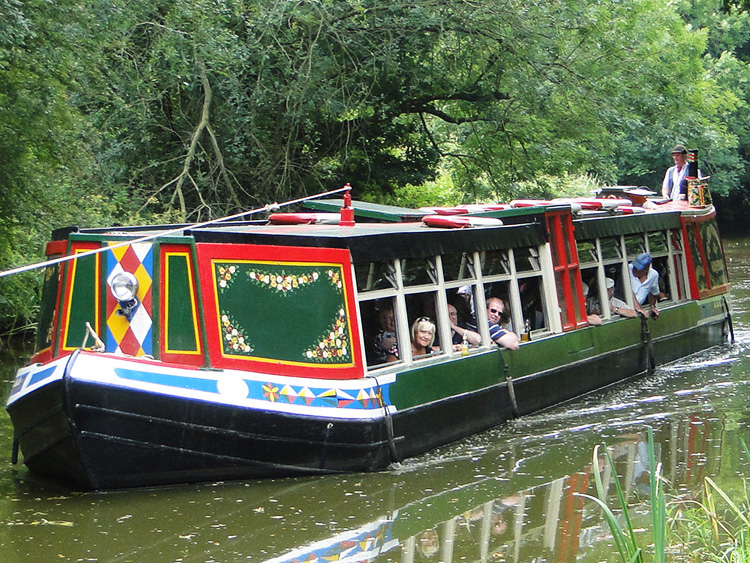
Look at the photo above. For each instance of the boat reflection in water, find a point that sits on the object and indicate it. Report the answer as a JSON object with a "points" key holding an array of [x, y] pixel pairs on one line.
{"points": [[484, 521], [510, 494]]}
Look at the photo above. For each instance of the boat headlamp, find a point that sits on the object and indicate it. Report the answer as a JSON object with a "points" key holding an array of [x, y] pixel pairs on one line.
{"points": [[124, 288]]}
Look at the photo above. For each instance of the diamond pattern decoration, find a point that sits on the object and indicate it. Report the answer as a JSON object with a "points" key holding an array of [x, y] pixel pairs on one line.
{"points": [[132, 337]]}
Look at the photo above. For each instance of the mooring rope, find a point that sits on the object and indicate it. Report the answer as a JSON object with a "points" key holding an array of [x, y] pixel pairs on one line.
{"points": [[728, 319], [646, 336], [268, 207]]}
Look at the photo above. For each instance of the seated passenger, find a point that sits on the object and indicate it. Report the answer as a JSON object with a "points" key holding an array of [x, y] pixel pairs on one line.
{"points": [[617, 306], [593, 307], [460, 330], [422, 337], [385, 342], [499, 335], [644, 281]]}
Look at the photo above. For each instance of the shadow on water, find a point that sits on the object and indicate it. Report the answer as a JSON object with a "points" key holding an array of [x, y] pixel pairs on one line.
{"points": [[510, 494]]}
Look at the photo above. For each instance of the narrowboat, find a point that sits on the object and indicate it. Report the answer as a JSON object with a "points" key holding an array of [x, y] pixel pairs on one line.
{"points": [[254, 348]]}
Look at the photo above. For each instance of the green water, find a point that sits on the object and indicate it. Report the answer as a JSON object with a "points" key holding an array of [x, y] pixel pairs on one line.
{"points": [[505, 495]]}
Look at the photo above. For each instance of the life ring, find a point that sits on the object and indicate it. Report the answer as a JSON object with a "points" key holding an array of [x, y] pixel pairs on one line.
{"points": [[445, 210], [594, 203], [304, 218], [460, 221], [629, 209], [530, 202]]}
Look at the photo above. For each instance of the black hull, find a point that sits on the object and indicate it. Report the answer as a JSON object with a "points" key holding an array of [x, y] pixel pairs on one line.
{"points": [[103, 437]]}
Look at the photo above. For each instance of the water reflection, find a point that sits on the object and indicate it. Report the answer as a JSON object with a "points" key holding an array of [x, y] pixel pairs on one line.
{"points": [[490, 521], [505, 495], [502, 497]]}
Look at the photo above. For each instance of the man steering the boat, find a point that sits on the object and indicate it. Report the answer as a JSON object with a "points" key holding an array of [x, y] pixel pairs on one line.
{"points": [[498, 334], [644, 281]]}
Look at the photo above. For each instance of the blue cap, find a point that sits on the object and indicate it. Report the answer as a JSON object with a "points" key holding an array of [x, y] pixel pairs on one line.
{"points": [[642, 261]]}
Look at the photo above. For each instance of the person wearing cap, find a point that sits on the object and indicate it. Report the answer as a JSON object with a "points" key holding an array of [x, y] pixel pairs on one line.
{"points": [[593, 309], [674, 185], [617, 306], [644, 281]]}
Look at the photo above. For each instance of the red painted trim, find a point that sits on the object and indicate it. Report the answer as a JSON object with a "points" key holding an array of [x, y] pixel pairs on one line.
{"points": [[54, 249], [250, 252], [66, 291], [565, 262], [186, 358]]}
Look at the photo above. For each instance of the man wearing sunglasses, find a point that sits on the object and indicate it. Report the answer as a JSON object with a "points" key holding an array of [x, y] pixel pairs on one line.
{"points": [[498, 334]]}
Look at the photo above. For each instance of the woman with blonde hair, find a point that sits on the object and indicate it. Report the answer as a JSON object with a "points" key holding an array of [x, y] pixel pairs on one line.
{"points": [[422, 337]]}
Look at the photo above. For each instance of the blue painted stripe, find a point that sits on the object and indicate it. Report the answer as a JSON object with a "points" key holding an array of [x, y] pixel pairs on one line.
{"points": [[179, 381], [41, 375]]}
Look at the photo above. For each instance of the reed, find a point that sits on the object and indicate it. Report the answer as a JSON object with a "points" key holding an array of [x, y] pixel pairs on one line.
{"points": [[715, 529]]}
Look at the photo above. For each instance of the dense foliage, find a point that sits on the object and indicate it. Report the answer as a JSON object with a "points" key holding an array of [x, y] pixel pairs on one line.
{"points": [[145, 110]]}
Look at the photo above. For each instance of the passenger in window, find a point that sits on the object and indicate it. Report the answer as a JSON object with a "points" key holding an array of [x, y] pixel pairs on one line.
{"points": [[422, 337], [498, 334], [467, 294], [644, 281], [460, 330], [385, 342], [593, 306], [617, 306]]}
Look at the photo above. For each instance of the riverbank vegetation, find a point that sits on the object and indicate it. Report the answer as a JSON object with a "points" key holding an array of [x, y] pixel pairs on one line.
{"points": [[141, 111]]}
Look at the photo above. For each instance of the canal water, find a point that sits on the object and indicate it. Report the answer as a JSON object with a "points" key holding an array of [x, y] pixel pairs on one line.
{"points": [[510, 494]]}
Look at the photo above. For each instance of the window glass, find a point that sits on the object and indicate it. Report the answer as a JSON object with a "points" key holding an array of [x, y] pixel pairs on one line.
{"points": [[462, 317], [610, 248], [526, 259], [458, 266], [714, 253], [418, 271], [587, 251], [494, 262], [379, 327], [634, 245], [423, 316], [657, 242], [676, 241], [375, 275], [532, 303]]}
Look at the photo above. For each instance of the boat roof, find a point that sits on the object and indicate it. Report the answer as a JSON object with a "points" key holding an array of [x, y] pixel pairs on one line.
{"points": [[384, 232]]}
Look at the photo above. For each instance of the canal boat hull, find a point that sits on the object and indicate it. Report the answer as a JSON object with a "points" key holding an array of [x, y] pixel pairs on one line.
{"points": [[101, 421]]}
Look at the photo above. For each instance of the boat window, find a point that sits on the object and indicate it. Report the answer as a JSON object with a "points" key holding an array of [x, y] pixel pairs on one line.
{"points": [[714, 253], [658, 247], [634, 245], [695, 253], [611, 249], [657, 243], [591, 293], [587, 253], [678, 260], [380, 331], [375, 275], [501, 290], [418, 271], [422, 308], [461, 303], [533, 307], [458, 266], [527, 259], [494, 262]]}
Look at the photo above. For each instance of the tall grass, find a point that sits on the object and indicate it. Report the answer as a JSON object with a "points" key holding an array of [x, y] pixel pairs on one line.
{"points": [[715, 529], [624, 535]]}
